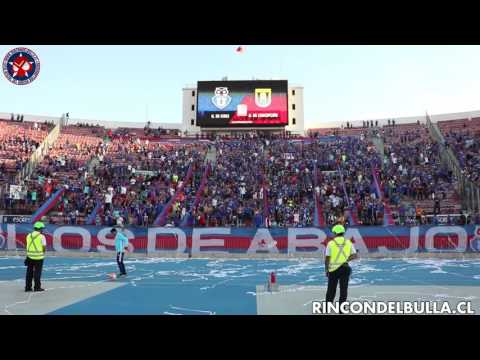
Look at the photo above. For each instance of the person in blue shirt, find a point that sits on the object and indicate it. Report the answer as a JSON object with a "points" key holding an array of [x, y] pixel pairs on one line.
{"points": [[258, 219], [121, 244]]}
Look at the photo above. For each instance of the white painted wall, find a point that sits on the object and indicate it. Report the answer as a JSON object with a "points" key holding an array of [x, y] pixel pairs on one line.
{"points": [[298, 113], [187, 113]]}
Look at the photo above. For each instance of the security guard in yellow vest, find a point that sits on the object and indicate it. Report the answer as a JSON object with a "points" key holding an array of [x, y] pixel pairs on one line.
{"points": [[36, 246], [338, 253]]}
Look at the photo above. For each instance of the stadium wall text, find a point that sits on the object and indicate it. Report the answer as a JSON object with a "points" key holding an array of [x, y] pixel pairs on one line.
{"points": [[388, 239]]}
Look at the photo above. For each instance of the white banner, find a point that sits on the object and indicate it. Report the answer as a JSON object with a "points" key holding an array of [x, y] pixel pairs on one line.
{"points": [[15, 192]]}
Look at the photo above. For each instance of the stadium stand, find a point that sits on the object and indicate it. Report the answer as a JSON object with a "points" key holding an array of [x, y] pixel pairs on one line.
{"points": [[234, 195], [463, 137], [18, 140], [413, 178], [141, 177]]}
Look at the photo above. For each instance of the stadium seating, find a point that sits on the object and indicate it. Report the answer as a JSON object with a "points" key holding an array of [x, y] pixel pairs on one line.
{"points": [[140, 198], [413, 175], [137, 177], [18, 140], [463, 137], [234, 195]]}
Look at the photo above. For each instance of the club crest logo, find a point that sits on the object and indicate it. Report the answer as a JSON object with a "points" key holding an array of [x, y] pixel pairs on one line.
{"points": [[263, 97], [21, 66], [221, 99]]}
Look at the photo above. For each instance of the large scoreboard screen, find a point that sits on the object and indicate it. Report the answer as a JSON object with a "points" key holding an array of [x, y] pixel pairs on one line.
{"points": [[256, 103]]}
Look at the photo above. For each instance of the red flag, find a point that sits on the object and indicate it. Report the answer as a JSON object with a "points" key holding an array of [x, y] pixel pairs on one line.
{"points": [[239, 50]]}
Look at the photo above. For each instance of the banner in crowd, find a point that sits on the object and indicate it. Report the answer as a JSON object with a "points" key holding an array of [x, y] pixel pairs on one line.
{"points": [[15, 219], [15, 192], [389, 239], [146, 173]]}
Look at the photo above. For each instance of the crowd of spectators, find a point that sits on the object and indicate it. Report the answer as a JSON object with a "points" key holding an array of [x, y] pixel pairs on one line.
{"points": [[137, 179], [279, 181], [413, 178], [234, 195], [359, 158], [129, 180], [18, 140], [290, 183], [126, 178], [464, 140]]}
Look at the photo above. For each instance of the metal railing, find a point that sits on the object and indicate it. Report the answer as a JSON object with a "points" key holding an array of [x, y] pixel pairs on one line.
{"points": [[469, 192]]}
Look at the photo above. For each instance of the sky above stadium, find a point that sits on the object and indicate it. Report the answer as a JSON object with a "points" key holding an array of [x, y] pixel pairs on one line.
{"points": [[119, 83]]}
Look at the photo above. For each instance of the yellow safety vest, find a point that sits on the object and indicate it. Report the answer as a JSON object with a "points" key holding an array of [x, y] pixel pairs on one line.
{"points": [[34, 246], [176, 206], [340, 251]]}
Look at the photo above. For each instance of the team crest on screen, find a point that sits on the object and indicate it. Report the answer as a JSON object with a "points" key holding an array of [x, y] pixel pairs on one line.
{"points": [[263, 97], [221, 99], [21, 66]]}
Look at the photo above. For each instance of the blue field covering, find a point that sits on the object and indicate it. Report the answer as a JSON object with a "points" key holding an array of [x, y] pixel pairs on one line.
{"points": [[213, 286]]}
